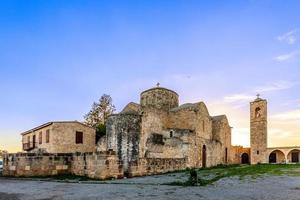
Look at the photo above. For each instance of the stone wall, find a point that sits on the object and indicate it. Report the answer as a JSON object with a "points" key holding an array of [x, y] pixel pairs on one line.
{"points": [[32, 164], [236, 153], [100, 165], [62, 138], [151, 166], [153, 122], [175, 144], [123, 136], [165, 130]]}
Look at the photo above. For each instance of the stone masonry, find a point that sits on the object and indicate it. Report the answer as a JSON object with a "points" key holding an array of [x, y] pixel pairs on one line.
{"points": [[59, 137], [155, 136], [258, 131], [158, 128]]}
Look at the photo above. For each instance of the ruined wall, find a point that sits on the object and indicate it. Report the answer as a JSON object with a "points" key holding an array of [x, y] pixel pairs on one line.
{"points": [[123, 136]]}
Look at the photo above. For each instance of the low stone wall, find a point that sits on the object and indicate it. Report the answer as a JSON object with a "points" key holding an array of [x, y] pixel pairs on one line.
{"points": [[100, 165], [34, 164], [151, 166]]}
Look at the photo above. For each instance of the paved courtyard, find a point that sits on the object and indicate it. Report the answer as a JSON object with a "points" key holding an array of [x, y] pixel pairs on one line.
{"points": [[265, 187]]}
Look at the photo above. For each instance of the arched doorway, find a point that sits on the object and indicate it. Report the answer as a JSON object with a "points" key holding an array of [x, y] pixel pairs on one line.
{"points": [[272, 158], [276, 156], [204, 156], [293, 156], [245, 158]]}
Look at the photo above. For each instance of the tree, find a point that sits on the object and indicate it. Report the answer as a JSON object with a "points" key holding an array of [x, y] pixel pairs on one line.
{"points": [[99, 113]]}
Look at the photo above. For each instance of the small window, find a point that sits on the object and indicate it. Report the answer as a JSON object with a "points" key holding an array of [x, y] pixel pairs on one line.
{"points": [[79, 137], [257, 112], [40, 138], [257, 152], [171, 133], [47, 136], [157, 139]]}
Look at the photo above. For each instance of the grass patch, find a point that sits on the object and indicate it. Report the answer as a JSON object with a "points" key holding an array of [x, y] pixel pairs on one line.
{"points": [[210, 175]]}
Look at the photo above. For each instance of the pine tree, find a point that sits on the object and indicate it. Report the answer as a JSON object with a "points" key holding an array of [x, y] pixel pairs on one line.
{"points": [[99, 113]]}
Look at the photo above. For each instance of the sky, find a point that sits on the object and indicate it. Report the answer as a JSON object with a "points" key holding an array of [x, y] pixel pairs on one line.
{"points": [[59, 56]]}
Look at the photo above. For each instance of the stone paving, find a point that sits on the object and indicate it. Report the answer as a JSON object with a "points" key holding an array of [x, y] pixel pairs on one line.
{"points": [[266, 187]]}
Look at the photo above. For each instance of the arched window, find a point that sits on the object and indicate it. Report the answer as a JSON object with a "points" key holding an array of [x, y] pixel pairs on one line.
{"points": [[257, 112]]}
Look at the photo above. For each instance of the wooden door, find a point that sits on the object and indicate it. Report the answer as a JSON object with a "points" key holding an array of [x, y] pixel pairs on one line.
{"points": [[295, 157]]}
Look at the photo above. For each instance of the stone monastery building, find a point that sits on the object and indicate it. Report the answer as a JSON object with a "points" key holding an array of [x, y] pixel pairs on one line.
{"points": [[155, 136], [159, 128]]}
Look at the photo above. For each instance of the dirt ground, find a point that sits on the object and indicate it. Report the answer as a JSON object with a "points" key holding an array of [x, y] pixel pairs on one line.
{"points": [[265, 187]]}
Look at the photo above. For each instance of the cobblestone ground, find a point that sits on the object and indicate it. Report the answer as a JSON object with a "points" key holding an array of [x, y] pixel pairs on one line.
{"points": [[267, 187]]}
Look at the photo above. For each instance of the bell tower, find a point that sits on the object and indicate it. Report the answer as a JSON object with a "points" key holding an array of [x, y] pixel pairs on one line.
{"points": [[258, 130]]}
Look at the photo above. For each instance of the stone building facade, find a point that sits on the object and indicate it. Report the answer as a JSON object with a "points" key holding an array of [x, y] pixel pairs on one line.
{"points": [[60, 137], [159, 128], [156, 135]]}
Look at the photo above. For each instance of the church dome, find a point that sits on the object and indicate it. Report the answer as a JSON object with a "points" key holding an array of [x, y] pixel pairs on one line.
{"points": [[160, 98]]}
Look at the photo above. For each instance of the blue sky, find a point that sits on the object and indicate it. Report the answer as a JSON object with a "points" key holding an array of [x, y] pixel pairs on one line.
{"points": [[57, 57]]}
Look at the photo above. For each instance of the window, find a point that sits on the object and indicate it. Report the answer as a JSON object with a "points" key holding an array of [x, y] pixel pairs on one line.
{"points": [[40, 138], [257, 112], [171, 133], [157, 139], [257, 152], [47, 136], [79, 137]]}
